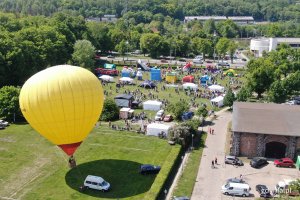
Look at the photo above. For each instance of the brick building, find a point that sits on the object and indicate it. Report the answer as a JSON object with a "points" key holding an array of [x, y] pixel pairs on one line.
{"points": [[269, 130]]}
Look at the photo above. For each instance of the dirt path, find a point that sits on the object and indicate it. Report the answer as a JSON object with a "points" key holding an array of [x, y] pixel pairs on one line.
{"points": [[18, 181]]}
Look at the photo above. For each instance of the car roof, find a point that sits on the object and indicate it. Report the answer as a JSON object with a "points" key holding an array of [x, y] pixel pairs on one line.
{"points": [[258, 158], [94, 178], [230, 156], [240, 185], [286, 159], [147, 165], [263, 186]]}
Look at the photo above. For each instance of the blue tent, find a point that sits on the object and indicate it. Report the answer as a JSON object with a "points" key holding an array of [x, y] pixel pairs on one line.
{"points": [[155, 74], [204, 80]]}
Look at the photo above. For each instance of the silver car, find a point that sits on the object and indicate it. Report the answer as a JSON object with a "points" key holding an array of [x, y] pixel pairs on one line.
{"points": [[233, 160]]}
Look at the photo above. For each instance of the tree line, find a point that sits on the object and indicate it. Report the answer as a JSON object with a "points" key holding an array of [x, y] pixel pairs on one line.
{"points": [[267, 10]]}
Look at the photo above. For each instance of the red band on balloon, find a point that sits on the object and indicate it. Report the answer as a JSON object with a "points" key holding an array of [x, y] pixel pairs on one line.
{"points": [[69, 149]]}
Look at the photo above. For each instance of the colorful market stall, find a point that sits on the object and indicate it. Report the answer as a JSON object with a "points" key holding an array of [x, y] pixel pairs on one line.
{"points": [[188, 79], [109, 66], [155, 74], [218, 101], [190, 86], [152, 105], [171, 77]]}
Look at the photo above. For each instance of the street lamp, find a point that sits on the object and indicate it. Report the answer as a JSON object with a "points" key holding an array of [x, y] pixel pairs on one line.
{"points": [[127, 48], [214, 36]]}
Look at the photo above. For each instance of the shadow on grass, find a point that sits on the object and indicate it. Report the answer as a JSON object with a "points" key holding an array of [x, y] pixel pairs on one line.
{"points": [[199, 141], [122, 175]]}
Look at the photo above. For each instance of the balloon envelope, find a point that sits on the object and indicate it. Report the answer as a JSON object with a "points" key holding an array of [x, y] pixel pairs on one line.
{"points": [[62, 103]]}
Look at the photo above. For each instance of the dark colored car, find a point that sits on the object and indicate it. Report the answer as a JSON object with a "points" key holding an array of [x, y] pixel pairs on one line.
{"points": [[257, 162], [149, 169], [187, 116], [263, 191], [284, 162], [233, 160], [235, 180]]}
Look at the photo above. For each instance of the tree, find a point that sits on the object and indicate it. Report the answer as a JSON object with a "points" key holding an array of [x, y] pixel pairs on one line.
{"points": [[222, 47], [203, 46], [244, 94], [202, 111], [110, 110], [151, 43], [229, 98], [84, 53], [177, 109], [231, 49], [261, 75], [9, 103], [277, 92], [180, 134], [122, 47]]}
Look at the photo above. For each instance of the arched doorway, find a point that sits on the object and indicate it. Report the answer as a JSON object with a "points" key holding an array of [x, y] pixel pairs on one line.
{"points": [[275, 150]]}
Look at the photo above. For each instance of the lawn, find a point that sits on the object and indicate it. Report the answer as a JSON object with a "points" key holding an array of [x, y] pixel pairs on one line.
{"points": [[33, 168], [187, 180]]}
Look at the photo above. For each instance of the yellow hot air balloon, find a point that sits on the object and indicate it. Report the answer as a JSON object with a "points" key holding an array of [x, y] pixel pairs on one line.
{"points": [[62, 103]]}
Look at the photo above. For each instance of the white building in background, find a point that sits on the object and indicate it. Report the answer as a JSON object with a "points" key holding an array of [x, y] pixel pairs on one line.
{"points": [[237, 19], [259, 45]]}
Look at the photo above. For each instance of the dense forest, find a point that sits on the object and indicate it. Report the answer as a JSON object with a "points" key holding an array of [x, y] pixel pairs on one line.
{"points": [[261, 10]]}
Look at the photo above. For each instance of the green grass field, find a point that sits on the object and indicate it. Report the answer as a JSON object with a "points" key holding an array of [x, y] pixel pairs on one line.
{"points": [[33, 168], [187, 180]]}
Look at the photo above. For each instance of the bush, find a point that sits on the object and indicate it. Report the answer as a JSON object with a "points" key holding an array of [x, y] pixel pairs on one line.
{"points": [[110, 110], [177, 109]]}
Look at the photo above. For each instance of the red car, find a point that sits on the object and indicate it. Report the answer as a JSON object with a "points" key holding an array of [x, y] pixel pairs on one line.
{"points": [[111, 72], [168, 118], [284, 162]]}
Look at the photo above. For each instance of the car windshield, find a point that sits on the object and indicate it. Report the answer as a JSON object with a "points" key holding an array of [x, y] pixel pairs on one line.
{"points": [[227, 186], [104, 183], [280, 160]]}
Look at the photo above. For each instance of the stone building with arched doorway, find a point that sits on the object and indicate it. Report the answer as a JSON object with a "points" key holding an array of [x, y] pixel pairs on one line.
{"points": [[268, 130]]}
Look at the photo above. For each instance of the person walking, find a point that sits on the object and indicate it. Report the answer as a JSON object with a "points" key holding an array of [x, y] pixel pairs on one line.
{"points": [[212, 131], [216, 161], [212, 164]]}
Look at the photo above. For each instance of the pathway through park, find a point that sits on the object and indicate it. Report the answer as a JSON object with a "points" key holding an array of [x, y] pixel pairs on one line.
{"points": [[207, 186]]}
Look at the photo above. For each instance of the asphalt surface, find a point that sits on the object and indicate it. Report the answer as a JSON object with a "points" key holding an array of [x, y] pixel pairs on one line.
{"points": [[210, 180]]}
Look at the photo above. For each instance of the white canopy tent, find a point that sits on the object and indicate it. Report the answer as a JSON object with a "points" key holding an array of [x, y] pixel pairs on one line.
{"points": [[107, 78], [216, 88], [155, 129], [218, 101], [126, 79], [192, 86], [152, 105]]}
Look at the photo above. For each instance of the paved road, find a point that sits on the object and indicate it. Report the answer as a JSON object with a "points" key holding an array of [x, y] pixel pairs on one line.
{"points": [[207, 182], [237, 63]]}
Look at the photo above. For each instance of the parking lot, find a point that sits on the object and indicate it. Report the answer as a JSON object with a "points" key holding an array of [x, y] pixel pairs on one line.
{"points": [[210, 180], [268, 175]]}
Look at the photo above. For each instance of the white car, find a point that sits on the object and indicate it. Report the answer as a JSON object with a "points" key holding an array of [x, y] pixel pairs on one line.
{"points": [[198, 60], [96, 183], [4, 123], [159, 115]]}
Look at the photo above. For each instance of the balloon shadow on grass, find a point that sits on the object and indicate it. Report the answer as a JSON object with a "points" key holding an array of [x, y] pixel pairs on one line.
{"points": [[123, 176]]}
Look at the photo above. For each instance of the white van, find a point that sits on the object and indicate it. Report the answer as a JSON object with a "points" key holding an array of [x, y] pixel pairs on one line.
{"points": [[96, 182], [238, 189]]}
